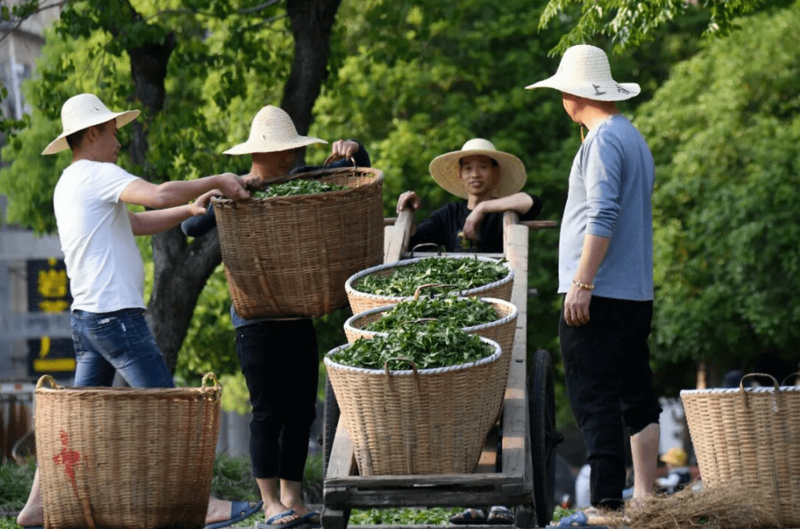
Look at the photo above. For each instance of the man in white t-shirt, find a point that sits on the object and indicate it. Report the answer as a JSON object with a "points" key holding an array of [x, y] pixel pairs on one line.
{"points": [[97, 233]]}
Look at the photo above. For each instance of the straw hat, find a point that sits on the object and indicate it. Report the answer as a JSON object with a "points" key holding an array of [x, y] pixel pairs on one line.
{"points": [[272, 131], [81, 112], [675, 456], [446, 170], [584, 72]]}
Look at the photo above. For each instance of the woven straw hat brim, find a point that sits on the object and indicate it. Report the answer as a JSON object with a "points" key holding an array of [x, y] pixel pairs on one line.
{"points": [[260, 145], [446, 171], [60, 143], [604, 91]]}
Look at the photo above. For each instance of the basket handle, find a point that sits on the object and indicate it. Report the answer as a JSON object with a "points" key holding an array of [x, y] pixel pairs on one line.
{"points": [[776, 398], [405, 359], [335, 158], [795, 375], [216, 387], [421, 245], [50, 380], [433, 285]]}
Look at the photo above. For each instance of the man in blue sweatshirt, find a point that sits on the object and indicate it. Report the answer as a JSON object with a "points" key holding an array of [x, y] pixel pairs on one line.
{"points": [[606, 274]]}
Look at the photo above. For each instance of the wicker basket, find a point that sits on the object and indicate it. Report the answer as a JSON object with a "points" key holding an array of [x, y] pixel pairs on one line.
{"points": [[290, 256], [502, 331], [751, 438], [126, 458], [431, 421], [361, 301]]}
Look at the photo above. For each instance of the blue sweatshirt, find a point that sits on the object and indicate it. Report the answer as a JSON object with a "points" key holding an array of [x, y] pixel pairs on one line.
{"points": [[610, 189]]}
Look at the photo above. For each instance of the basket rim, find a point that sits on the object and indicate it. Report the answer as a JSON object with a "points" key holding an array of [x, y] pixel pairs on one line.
{"points": [[348, 324], [421, 372], [349, 288], [738, 391], [377, 174]]}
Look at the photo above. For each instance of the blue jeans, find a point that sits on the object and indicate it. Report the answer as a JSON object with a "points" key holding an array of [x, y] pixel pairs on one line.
{"points": [[117, 341]]}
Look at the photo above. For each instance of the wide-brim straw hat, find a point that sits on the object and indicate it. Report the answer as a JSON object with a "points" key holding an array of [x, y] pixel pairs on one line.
{"points": [[272, 131], [81, 112], [584, 71], [446, 169]]}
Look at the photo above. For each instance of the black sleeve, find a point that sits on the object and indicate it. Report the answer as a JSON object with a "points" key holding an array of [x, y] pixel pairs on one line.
{"points": [[434, 229], [536, 208], [201, 224], [361, 158]]}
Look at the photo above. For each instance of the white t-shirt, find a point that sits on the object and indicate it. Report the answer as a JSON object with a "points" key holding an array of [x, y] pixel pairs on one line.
{"points": [[103, 262]]}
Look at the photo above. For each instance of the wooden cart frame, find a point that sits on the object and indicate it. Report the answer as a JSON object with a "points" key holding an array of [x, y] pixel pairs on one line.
{"points": [[517, 465]]}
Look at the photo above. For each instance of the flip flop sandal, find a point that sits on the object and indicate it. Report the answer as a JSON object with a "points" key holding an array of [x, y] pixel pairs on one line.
{"points": [[499, 515], [469, 517], [239, 511]]}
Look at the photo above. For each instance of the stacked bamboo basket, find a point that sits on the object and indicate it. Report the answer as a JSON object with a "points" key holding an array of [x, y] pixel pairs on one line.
{"points": [[427, 421]]}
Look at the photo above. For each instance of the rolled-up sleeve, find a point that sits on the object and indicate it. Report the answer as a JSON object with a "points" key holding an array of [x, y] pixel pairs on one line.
{"points": [[603, 170]]}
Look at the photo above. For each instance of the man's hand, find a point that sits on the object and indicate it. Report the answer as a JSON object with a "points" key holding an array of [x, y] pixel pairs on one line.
{"points": [[576, 306], [408, 200], [473, 223], [232, 186], [251, 181], [200, 205], [344, 149]]}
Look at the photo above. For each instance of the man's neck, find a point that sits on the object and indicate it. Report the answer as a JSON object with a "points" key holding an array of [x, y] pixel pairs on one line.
{"points": [[596, 112]]}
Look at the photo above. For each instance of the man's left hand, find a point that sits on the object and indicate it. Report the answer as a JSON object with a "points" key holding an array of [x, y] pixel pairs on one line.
{"points": [[344, 148], [576, 306]]}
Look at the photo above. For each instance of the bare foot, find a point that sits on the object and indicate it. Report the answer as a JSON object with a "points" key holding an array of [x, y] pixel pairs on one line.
{"points": [[31, 515]]}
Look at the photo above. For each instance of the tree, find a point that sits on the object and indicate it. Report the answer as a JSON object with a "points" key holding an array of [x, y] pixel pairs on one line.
{"points": [[725, 131], [193, 65], [629, 23]]}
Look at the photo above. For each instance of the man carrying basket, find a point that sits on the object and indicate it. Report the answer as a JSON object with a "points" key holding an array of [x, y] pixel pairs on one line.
{"points": [[279, 358], [104, 265]]}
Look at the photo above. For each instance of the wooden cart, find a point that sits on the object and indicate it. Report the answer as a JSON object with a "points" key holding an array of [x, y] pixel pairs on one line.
{"points": [[517, 466]]}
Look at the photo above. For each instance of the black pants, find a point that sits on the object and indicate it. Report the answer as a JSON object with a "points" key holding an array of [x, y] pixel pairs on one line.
{"points": [[609, 382], [280, 364]]}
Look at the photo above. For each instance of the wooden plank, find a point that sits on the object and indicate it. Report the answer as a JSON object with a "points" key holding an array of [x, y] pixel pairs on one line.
{"points": [[515, 408], [396, 237], [488, 461], [343, 462], [360, 499], [540, 224]]}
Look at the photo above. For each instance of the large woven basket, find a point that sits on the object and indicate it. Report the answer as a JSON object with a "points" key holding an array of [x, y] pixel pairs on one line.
{"points": [[502, 331], [361, 301], [750, 438], [126, 458], [427, 421], [290, 256]]}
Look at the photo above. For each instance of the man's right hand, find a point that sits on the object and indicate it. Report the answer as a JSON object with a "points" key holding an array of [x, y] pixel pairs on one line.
{"points": [[232, 186], [407, 200]]}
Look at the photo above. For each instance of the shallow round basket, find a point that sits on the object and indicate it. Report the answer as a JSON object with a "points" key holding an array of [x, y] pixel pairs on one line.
{"points": [[126, 458], [427, 421], [750, 437], [290, 256], [502, 331], [361, 301]]}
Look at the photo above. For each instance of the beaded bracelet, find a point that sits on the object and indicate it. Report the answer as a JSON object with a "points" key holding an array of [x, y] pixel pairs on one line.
{"points": [[583, 286]]}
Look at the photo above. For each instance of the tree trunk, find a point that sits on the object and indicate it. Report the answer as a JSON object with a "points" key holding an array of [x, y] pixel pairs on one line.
{"points": [[312, 22]]}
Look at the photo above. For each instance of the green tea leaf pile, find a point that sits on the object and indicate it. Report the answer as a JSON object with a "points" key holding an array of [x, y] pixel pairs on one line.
{"points": [[428, 345], [457, 312], [297, 187], [464, 273]]}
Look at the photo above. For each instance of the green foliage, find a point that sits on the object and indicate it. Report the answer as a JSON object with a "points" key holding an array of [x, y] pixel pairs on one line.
{"points": [[458, 273], [725, 131], [458, 312], [298, 187], [427, 344], [15, 484], [402, 517], [629, 23]]}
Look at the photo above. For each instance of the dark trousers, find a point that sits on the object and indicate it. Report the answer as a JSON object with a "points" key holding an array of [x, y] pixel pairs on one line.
{"points": [[609, 382], [280, 364]]}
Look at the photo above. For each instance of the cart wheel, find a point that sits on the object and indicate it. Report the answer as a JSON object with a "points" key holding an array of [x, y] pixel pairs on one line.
{"points": [[335, 518], [329, 424], [544, 438]]}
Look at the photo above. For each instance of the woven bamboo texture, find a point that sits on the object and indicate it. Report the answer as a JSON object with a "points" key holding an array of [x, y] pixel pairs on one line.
{"points": [[431, 421], [502, 331], [290, 256], [361, 301], [126, 458], [750, 438]]}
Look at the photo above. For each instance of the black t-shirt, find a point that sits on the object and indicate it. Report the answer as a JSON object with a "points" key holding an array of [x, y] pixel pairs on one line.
{"points": [[444, 224]]}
